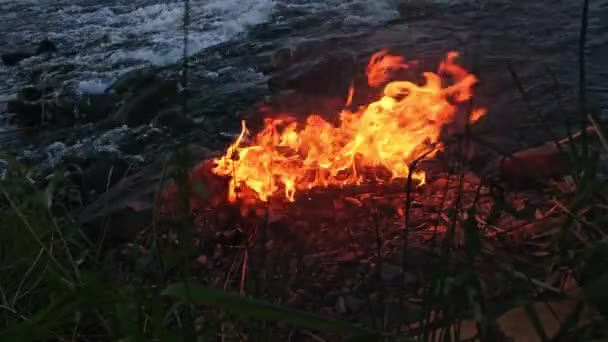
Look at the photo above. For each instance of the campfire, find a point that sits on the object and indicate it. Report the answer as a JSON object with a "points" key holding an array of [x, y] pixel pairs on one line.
{"points": [[376, 143]]}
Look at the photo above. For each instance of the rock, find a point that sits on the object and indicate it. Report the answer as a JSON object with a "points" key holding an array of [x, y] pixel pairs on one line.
{"points": [[416, 8], [353, 304], [174, 120], [133, 80], [29, 93], [288, 56], [329, 75], [281, 58], [143, 106], [347, 257], [301, 105], [389, 272], [3, 169], [60, 107], [46, 46], [340, 306], [41, 76], [103, 174], [140, 187], [14, 58], [95, 107], [27, 114], [119, 227], [532, 166]]}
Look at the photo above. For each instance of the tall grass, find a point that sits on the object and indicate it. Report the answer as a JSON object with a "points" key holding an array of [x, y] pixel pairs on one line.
{"points": [[55, 285]]}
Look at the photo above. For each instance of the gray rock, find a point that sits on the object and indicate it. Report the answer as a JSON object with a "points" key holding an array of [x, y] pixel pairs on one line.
{"points": [[354, 304], [14, 58], [390, 272], [143, 106], [329, 75], [340, 306], [134, 79]]}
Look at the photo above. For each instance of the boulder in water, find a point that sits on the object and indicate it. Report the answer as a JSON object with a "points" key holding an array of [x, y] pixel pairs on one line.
{"points": [[15, 57], [142, 106], [46, 46], [133, 80], [329, 75], [42, 105]]}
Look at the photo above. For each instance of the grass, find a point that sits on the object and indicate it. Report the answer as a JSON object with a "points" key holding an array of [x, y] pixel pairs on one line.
{"points": [[57, 284]]}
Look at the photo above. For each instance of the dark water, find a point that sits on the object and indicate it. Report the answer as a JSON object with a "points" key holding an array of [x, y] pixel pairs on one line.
{"points": [[537, 38]]}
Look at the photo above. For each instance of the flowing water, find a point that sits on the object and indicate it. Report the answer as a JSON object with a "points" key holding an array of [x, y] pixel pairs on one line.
{"points": [[104, 39]]}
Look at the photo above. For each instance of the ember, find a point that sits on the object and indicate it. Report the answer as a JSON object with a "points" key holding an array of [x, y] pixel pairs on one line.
{"points": [[375, 143]]}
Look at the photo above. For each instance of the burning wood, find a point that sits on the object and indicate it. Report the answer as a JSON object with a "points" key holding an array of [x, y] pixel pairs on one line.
{"points": [[288, 157]]}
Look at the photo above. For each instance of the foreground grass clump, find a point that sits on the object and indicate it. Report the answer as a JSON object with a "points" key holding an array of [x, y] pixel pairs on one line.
{"points": [[58, 284]]}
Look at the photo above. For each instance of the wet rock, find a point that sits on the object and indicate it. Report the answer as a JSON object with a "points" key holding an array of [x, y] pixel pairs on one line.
{"points": [[95, 107], [303, 50], [329, 75], [29, 93], [134, 79], [301, 105], [42, 76], [281, 58], [118, 227], [46, 46], [102, 174], [140, 187], [27, 114], [14, 58], [3, 169], [353, 304], [174, 120], [142, 106], [340, 306], [389, 272], [416, 8], [532, 166], [45, 105], [347, 257]]}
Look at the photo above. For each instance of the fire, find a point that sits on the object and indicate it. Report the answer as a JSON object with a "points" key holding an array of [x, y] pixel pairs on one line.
{"points": [[377, 141]]}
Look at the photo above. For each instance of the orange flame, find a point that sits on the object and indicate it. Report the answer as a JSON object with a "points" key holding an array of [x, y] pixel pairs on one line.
{"points": [[389, 134]]}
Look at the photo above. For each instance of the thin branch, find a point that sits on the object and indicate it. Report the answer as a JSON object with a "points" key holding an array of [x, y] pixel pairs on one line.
{"points": [[582, 82]]}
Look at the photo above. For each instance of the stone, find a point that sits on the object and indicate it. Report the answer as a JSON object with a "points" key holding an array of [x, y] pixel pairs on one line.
{"points": [[174, 120], [41, 75], [45, 105], [346, 257], [3, 169], [14, 58], [133, 80], [142, 106], [330, 75], [102, 174], [353, 304], [119, 227], [340, 306], [532, 166], [389, 272], [46, 46], [27, 114]]}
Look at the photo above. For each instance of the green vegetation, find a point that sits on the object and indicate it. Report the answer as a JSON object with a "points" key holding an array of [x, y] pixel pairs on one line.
{"points": [[59, 282]]}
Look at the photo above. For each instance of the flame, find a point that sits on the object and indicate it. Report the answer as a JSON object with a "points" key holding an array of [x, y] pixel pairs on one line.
{"points": [[381, 65], [389, 134]]}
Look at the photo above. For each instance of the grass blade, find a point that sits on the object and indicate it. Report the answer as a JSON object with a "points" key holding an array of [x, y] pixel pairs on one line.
{"points": [[262, 310]]}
